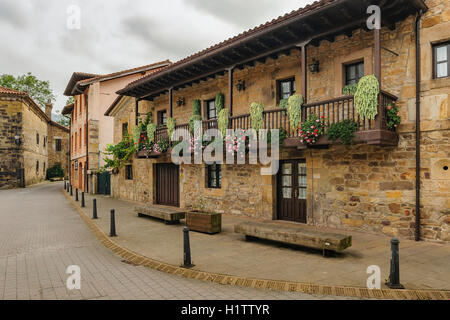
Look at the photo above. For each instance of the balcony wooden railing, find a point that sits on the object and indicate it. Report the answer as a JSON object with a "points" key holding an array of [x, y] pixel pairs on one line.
{"points": [[334, 110]]}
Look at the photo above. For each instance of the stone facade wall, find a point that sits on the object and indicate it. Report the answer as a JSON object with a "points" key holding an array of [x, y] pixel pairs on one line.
{"points": [[360, 187], [11, 158], [58, 157], [34, 123]]}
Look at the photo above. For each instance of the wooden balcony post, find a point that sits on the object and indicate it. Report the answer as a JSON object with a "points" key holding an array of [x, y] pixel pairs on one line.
{"points": [[137, 112], [230, 90], [170, 102], [304, 74], [377, 71]]}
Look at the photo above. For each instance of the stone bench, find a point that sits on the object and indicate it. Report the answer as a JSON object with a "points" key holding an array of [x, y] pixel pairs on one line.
{"points": [[168, 215], [294, 234]]}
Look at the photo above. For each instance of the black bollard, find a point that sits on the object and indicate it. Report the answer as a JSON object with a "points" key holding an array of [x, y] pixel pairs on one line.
{"points": [[394, 277], [71, 190], [113, 224], [76, 195], [94, 212], [187, 263], [83, 204], [65, 186]]}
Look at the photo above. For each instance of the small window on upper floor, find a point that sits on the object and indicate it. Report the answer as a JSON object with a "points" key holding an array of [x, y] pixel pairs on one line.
{"points": [[286, 88], [124, 129], [162, 118], [354, 72], [37, 138], [211, 111], [441, 60], [58, 145]]}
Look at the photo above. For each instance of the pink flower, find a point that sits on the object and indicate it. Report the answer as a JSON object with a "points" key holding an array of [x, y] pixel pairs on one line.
{"points": [[389, 107], [313, 127]]}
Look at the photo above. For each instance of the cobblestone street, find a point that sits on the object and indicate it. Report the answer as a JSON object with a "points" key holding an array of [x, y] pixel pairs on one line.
{"points": [[41, 235]]}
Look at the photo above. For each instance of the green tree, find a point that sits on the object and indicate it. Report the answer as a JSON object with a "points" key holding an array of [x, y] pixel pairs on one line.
{"points": [[38, 90], [70, 101]]}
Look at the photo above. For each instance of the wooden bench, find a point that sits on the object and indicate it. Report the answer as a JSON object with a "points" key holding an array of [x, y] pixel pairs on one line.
{"points": [[168, 215], [295, 234]]}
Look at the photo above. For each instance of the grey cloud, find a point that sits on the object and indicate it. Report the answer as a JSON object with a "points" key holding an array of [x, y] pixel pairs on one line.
{"points": [[11, 14]]}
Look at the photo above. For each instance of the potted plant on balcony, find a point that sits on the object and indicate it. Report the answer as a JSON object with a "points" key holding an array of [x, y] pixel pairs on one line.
{"points": [[200, 220]]}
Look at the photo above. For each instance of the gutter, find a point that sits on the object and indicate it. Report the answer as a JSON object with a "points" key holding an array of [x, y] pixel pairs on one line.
{"points": [[418, 135]]}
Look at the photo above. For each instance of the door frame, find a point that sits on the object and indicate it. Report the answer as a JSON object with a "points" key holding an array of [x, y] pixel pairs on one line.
{"points": [[295, 186]]}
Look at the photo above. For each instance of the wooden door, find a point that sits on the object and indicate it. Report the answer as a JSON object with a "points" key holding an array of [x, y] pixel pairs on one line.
{"points": [[167, 184], [291, 191]]}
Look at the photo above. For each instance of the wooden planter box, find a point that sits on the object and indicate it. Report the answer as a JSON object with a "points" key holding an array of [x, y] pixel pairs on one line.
{"points": [[204, 222]]}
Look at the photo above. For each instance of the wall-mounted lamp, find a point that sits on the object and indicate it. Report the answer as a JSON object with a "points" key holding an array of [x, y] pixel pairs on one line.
{"points": [[181, 102], [17, 140], [240, 86], [314, 67]]}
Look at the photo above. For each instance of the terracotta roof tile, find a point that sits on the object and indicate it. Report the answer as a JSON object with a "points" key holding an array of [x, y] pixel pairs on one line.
{"points": [[4, 90]]}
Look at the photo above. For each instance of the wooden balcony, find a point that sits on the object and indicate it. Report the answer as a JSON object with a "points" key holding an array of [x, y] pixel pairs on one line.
{"points": [[373, 132]]}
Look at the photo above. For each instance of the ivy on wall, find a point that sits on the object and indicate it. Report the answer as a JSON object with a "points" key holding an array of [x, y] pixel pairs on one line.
{"points": [[294, 109], [366, 97], [256, 115]]}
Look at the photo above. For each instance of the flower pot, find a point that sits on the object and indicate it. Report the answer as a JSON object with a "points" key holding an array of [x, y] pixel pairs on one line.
{"points": [[204, 222]]}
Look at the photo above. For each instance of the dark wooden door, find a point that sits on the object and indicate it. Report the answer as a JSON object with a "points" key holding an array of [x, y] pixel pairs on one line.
{"points": [[104, 183], [291, 191], [167, 184]]}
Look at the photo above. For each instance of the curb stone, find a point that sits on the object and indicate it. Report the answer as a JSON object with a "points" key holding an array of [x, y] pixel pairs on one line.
{"points": [[275, 285]]}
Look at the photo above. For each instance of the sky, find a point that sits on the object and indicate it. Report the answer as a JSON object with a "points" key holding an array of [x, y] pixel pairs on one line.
{"points": [[115, 35]]}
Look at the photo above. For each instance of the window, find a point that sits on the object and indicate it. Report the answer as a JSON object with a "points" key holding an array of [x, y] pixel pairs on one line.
{"points": [[58, 145], [286, 88], [129, 172], [162, 118], [37, 138], [441, 57], [124, 129], [354, 72], [211, 112], [37, 166], [45, 141], [214, 176], [44, 168]]}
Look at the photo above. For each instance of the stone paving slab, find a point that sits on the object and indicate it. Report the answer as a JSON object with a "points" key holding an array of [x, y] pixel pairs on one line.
{"points": [[229, 253]]}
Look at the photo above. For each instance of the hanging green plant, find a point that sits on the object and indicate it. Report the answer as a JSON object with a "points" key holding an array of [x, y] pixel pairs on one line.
{"points": [[220, 101], [151, 129], [223, 121], [171, 123], [196, 115], [148, 118], [284, 103], [366, 97], [350, 90], [345, 131], [256, 115], [294, 110], [393, 118], [136, 137], [197, 107], [121, 154]]}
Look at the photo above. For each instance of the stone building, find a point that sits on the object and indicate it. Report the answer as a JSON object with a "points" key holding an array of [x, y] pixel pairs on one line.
{"points": [[30, 141], [394, 182], [91, 131]]}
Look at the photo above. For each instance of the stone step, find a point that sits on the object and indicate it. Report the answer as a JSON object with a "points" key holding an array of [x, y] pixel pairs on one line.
{"points": [[295, 234]]}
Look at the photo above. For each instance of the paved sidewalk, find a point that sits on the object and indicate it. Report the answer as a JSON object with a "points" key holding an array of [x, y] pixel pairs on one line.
{"points": [[423, 265], [41, 235]]}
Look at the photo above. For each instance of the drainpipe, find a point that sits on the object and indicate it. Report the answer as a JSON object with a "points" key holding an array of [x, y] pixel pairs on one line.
{"points": [[418, 162], [86, 166]]}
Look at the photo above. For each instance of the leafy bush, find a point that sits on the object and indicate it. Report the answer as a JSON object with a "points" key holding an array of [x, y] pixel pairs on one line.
{"points": [[151, 129], [171, 123], [256, 115], [55, 172], [312, 129], [121, 154], [344, 130], [366, 97], [350, 89], [294, 110], [393, 117], [196, 115]]}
